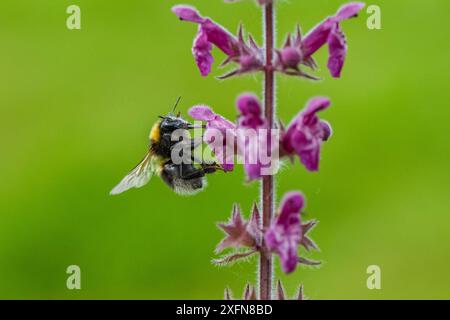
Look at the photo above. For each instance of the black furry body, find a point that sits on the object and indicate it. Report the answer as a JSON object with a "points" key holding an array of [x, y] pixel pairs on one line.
{"points": [[185, 178]]}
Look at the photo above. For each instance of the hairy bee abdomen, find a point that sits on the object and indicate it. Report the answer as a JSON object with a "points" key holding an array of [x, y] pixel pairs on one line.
{"points": [[184, 179], [188, 187]]}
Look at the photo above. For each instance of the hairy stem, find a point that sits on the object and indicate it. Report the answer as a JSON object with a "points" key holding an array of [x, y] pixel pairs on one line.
{"points": [[265, 263]]}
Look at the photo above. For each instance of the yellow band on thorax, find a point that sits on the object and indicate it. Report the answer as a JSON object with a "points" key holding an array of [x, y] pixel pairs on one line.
{"points": [[155, 132]]}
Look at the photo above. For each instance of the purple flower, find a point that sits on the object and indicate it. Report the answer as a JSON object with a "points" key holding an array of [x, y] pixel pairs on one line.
{"points": [[251, 121], [202, 53], [305, 134], [249, 139], [251, 112], [329, 31], [217, 127], [286, 232], [301, 49], [249, 57]]}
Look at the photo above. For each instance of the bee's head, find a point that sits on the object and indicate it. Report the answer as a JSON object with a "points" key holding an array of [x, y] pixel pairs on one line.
{"points": [[171, 123], [168, 124]]}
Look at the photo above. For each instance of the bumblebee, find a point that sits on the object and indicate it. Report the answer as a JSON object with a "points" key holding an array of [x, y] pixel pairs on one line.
{"points": [[184, 178]]}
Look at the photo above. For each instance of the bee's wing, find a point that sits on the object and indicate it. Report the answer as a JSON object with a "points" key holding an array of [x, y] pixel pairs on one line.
{"points": [[137, 178]]}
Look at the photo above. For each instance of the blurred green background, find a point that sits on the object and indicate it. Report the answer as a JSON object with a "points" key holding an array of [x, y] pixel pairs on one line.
{"points": [[76, 108]]}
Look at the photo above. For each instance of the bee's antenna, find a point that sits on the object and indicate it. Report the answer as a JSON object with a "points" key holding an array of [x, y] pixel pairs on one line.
{"points": [[176, 104]]}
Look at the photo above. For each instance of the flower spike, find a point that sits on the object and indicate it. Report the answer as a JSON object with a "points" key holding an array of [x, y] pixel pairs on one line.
{"points": [[258, 139]]}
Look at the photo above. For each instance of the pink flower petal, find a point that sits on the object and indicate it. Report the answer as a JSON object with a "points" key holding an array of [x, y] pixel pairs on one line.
{"points": [[248, 104], [201, 113], [220, 37], [337, 48], [326, 130], [349, 10], [202, 53], [307, 132], [285, 233], [313, 106], [329, 32], [253, 171], [217, 128], [292, 204], [308, 149], [187, 13], [251, 113]]}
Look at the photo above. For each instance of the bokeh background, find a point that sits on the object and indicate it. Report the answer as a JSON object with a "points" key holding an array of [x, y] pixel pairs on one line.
{"points": [[76, 108]]}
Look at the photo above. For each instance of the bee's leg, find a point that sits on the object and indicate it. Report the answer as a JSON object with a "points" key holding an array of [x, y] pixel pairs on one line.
{"points": [[211, 167], [191, 172], [207, 167], [173, 171]]}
